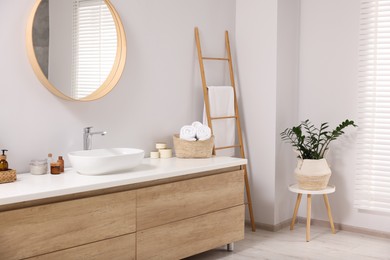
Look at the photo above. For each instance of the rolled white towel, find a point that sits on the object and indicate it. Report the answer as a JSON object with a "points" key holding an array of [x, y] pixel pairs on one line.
{"points": [[188, 132], [197, 124], [203, 132]]}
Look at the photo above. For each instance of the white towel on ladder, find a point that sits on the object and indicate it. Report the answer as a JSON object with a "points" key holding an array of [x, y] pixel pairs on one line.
{"points": [[222, 104]]}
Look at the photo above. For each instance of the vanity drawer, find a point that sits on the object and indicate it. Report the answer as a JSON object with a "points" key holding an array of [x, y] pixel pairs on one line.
{"points": [[42, 229], [122, 247], [191, 236], [170, 202]]}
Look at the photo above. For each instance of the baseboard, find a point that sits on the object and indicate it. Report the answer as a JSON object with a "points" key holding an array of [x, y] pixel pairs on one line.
{"points": [[321, 223], [270, 227], [348, 228]]}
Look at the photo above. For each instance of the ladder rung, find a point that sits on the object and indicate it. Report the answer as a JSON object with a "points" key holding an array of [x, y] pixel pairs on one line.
{"points": [[227, 147], [222, 117], [210, 58]]}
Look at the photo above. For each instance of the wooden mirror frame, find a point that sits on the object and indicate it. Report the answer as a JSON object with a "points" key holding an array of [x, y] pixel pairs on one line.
{"points": [[112, 78]]}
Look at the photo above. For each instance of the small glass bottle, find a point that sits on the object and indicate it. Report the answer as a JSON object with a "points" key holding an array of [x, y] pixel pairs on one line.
{"points": [[49, 161], [61, 162]]}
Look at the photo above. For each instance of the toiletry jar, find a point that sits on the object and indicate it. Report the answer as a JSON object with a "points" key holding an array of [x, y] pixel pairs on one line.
{"points": [[38, 167], [193, 149]]}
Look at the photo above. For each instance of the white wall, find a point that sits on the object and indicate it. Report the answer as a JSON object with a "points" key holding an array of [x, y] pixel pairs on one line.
{"points": [[286, 103], [256, 36], [267, 56], [328, 92], [159, 91]]}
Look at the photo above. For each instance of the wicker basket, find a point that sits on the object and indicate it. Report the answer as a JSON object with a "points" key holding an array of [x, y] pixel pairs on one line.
{"points": [[306, 182], [193, 149], [7, 176], [312, 174]]}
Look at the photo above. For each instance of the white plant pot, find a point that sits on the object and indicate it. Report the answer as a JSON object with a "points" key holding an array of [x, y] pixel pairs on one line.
{"points": [[312, 174]]}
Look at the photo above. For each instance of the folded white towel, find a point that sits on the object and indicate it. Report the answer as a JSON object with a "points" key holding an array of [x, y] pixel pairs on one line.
{"points": [[197, 124], [188, 132], [203, 132]]}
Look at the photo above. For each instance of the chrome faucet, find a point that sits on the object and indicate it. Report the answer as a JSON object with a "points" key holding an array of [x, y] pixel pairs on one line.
{"points": [[88, 137]]}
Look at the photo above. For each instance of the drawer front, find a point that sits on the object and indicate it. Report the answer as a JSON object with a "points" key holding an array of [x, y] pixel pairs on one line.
{"points": [[191, 236], [42, 229], [167, 203], [117, 248]]}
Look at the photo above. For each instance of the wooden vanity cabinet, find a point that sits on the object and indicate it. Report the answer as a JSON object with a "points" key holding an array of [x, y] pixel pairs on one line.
{"points": [[172, 220], [191, 236], [180, 219], [122, 247], [42, 229], [170, 202]]}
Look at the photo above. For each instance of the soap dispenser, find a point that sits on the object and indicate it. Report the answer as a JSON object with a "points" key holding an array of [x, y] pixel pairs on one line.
{"points": [[3, 161]]}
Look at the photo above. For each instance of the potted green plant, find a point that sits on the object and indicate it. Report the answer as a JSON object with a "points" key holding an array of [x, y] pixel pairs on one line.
{"points": [[311, 144]]}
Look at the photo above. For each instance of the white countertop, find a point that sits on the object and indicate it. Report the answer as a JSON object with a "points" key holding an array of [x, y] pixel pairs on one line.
{"points": [[30, 187]]}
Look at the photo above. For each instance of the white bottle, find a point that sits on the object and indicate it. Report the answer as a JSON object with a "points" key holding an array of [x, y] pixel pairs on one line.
{"points": [[49, 161]]}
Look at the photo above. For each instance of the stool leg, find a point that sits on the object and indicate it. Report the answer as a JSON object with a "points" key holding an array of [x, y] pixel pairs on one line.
{"points": [[296, 210], [329, 213], [308, 217]]}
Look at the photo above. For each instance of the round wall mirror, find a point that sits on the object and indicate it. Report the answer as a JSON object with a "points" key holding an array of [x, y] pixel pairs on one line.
{"points": [[77, 48]]}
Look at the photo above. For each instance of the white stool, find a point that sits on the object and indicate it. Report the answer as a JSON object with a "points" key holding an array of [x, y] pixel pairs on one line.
{"points": [[329, 189]]}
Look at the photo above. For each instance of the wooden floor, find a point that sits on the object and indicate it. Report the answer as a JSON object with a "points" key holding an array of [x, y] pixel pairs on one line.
{"points": [[286, 244]]}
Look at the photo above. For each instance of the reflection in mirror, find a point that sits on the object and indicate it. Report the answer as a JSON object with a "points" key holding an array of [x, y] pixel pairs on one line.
{"points": [[41, 36], [77, 46]]}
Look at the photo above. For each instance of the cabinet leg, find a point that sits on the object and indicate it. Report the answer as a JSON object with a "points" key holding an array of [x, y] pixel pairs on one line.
{"points": [[296, 210], [308, 217], [230, 247], [249, 199]]}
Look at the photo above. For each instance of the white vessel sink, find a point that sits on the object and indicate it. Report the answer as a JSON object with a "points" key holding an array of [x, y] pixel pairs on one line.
{"points": [[105, 161]]}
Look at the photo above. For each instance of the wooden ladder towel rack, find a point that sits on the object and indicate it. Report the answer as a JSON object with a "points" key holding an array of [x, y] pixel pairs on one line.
{"points": [[236, 114]]}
